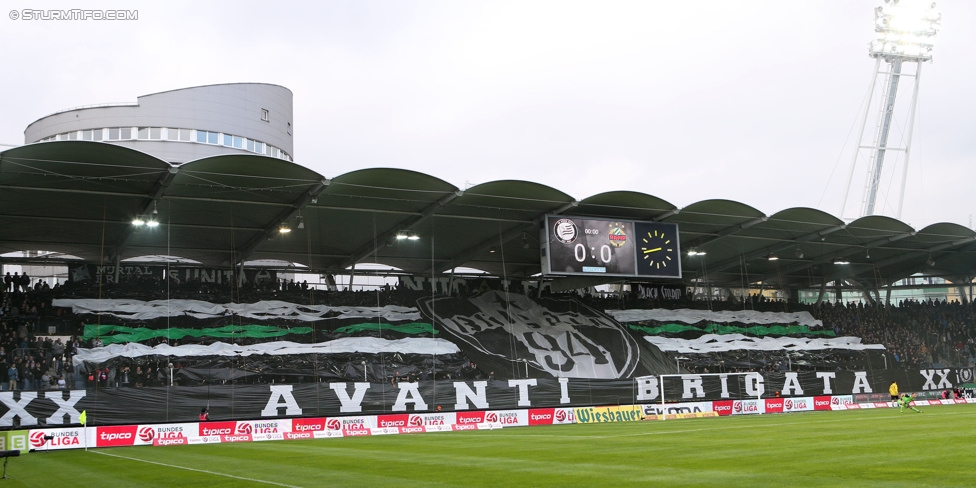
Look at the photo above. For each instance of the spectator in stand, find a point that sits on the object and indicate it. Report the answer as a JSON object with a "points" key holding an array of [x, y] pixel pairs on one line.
{"points": [[27, 377], [12, 377], [25, 282], [41, 379]]}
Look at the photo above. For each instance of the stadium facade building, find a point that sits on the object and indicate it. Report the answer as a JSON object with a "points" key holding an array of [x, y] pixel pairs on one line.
{"points": [[184, 124]]}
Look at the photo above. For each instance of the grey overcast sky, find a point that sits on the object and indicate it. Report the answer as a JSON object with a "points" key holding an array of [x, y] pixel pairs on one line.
{"points": [[755, 101]]}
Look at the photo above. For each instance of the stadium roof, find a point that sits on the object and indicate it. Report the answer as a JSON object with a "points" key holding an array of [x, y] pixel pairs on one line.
{"points": [[79, 198]]}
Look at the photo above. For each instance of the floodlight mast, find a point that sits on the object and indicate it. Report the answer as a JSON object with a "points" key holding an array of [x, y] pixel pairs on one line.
{"points": [[904, 33]]}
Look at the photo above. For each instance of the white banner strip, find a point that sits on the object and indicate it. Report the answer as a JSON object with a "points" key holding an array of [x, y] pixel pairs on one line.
{"points": [[369, 345], [688, 316], [273, 309], [734, 342]]}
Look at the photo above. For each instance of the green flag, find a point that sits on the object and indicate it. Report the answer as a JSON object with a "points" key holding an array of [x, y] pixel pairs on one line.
{"points": [[83, 418]]}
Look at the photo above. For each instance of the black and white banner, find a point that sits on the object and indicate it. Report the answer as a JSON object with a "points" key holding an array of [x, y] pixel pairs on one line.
{"points": [[660, 292], [128, 272], [514, 335], [109, 406]]}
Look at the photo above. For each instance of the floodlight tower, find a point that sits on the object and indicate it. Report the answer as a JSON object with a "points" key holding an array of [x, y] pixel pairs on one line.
{"points": [[904, 33]]}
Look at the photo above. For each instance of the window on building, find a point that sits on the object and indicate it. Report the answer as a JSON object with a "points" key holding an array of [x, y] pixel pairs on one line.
{"points": [[184, 134], [228, 140], [250, 145], [86, 135], [239, 142], [265, 115], [113, 133], [155, 133], [144, 133], [126, 133], [172, 134], [259, 147], [207, 137], [97, 134]]}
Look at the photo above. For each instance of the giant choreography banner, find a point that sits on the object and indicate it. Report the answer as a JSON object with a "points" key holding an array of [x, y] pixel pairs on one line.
{"points": [[108, 406]]}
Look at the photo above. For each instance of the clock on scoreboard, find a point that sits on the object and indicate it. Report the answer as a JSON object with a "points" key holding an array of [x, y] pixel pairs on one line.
{"points": [[586, 246]]}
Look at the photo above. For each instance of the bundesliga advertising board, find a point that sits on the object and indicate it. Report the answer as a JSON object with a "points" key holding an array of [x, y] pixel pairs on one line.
{"points": [[230, 431]]}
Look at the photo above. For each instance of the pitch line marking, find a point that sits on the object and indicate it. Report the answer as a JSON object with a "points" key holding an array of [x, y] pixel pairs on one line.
{"points": [[197, 470]]}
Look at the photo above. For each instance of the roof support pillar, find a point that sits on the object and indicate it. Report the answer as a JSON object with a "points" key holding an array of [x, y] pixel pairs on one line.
{"points": [[248, 248], [383, 239], [158, 192]]}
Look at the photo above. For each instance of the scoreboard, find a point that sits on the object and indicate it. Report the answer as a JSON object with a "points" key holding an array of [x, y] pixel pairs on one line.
{"points": [[586, 246]]}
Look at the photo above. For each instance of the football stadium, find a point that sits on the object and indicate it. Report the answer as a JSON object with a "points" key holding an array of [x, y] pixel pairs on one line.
{"points": [[186, 304]]}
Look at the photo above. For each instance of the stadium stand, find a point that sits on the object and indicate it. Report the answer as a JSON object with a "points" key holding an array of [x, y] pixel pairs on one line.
{"points": [[913, 334]]}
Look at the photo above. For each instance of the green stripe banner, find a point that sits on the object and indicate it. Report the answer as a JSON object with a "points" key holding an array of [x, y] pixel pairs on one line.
{"points": [[121, 334]]}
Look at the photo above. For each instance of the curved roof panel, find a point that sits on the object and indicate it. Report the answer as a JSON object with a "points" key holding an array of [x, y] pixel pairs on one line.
{"points": [[624, 205], [72, 196], [228, 209]]}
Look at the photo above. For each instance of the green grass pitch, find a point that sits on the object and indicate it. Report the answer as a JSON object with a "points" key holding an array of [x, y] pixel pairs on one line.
{"points": [[852, 448]]}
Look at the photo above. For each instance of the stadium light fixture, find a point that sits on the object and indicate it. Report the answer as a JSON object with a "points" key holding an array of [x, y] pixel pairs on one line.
{"points": [[696, 252], [841, 261], [153, 220], [904, 33], [401, 236], [283, 228], [140, 220], [905, 30], [413, 236], [772, 257]]}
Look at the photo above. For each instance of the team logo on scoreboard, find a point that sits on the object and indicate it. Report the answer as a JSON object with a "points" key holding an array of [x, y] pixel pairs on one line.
{"points": [[618, 234], [565, 231]]}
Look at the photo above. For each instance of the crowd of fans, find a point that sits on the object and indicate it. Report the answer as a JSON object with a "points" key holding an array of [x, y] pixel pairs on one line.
{"points": [[914, 333], [29, 362]]}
